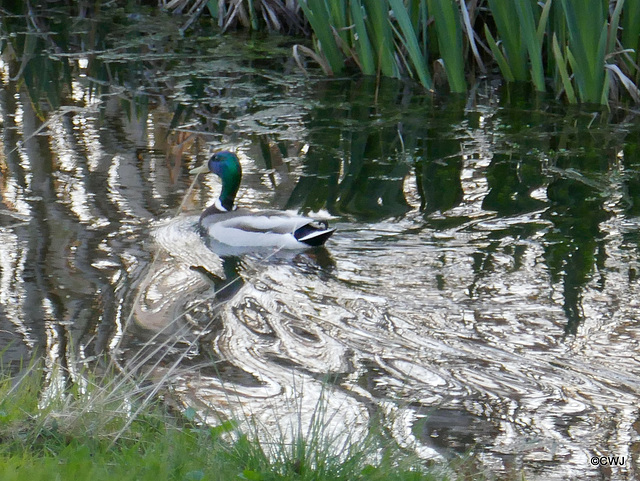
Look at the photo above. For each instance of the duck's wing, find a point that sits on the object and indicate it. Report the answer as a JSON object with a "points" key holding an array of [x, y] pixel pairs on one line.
{"points": [[275, 222], [244, 227]]}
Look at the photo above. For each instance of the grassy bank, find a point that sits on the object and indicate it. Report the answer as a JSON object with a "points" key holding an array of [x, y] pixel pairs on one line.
{"points": [[101, 432]]}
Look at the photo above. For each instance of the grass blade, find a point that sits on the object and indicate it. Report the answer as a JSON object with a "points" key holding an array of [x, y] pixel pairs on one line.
{"points": [[627, 82], [338, 11], [631, 34], [297, 52], [253, 16], [413, 10], [212, 6], [604, 98]]}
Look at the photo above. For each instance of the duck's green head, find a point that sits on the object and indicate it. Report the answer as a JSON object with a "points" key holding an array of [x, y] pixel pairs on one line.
{"points": [[225, 165]]}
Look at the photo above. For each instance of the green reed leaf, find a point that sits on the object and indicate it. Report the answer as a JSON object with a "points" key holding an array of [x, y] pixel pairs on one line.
{"points": [[449, 32], [252, 15], [366, 55], [409, 40], [509, 34], [588, 30], [561, 64], [631, 26], [499, 57], [630, 37], [542, 23], [614, 23], [534, 48], [338, 12], [382, 36], [317, 13], [212, 6]]}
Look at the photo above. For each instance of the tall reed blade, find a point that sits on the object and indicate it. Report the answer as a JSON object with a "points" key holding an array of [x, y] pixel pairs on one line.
{"points": [[509, 33], [366, 55], [449, 31], [588, 30], [542, 23], [530, 38], [214, 9], [317, 14], [499, 57], [561, 64], [338, 11], [630, 37], [413, 10], [614, 23], [409, 40], [382, 36], [466, 20], [252, 15]]}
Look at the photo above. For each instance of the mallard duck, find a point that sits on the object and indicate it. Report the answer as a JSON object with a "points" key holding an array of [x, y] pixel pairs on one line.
{"points": [[224, 223]]}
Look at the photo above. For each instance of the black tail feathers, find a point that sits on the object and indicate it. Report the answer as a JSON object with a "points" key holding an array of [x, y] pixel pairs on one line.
{"points": [[314, 233]]}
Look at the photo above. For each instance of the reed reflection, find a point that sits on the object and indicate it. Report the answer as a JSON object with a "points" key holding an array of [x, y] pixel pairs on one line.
{"points": [[470, 239]]}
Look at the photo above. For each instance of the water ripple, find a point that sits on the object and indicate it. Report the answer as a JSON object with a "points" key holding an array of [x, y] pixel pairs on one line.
{"points": [[471, 366]]}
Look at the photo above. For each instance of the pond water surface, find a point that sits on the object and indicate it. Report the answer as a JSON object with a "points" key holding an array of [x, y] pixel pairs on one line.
{"points": [[479, 296]]}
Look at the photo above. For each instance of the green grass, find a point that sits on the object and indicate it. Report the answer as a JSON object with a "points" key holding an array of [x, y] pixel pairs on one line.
{"points": [[89, 433]]}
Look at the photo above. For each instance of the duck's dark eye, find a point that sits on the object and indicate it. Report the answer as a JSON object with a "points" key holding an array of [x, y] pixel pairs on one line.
{"points": [[216, 166]]}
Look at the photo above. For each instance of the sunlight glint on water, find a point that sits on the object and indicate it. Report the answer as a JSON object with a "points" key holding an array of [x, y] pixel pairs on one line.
{"points": [[480, 294]]}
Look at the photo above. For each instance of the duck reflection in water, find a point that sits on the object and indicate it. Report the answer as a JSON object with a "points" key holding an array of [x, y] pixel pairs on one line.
{"points": [[190, 279], [316, 261]]}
